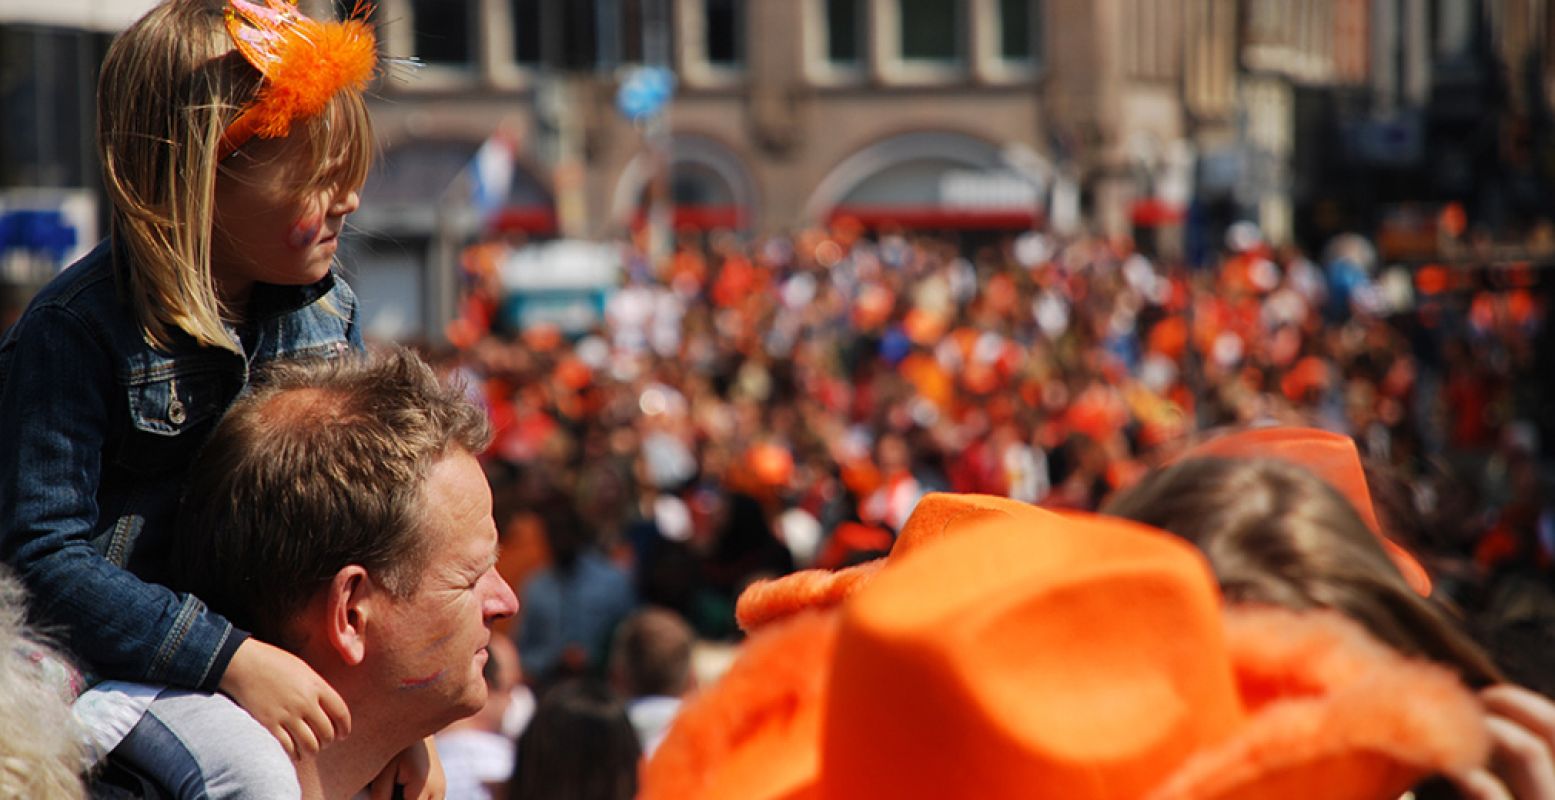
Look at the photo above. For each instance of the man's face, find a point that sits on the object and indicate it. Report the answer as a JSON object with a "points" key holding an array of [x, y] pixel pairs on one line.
{"points": [[433, 642]]}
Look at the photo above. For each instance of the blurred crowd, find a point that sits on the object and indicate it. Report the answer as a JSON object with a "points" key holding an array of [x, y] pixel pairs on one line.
{"points": [[747, 408]]}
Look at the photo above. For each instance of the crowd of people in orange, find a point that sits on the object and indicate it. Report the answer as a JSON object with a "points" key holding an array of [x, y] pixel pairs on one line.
{"points": [[753, 407]]}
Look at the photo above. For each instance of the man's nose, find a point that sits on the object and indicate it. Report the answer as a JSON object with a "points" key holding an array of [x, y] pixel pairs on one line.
{"points": [[500, 602]]}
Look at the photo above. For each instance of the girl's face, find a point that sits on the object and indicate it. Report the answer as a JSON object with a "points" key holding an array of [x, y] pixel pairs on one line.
{"points": [[272, 224]]}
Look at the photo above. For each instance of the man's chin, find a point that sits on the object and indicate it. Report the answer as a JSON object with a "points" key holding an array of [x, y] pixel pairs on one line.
{"points": [[472, 702]]}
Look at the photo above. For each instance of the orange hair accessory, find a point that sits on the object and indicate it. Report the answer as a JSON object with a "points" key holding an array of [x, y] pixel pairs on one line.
{"points": [[1079, 657], [304, 63], [1330, 456]]}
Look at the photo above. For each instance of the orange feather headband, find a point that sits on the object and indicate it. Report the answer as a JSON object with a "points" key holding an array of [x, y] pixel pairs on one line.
{"points": [[304, 63]]}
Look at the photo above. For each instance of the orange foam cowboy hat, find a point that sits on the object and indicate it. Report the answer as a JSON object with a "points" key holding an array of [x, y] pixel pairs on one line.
{"points": [[1019, 655]]}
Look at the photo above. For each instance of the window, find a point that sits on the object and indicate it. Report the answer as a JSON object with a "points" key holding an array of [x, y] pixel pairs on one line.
{"points": [[527, 32], [844, 32], [723, 23], [442, 32], [1016, 32], [1454, 28], [930, 30]]}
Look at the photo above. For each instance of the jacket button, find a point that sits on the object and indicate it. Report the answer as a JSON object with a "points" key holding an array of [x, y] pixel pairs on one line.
{"points": [[175, 412]]}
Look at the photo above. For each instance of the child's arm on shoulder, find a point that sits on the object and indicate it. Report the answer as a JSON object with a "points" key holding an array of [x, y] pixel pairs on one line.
{"points": [[287, 697]]}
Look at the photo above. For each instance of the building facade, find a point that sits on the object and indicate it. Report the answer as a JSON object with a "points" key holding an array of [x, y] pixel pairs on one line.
{"points": [[931, 113], [1162, 119]]}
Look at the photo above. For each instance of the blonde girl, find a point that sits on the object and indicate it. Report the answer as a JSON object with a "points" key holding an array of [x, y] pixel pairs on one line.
{"points": [[233, 138]]}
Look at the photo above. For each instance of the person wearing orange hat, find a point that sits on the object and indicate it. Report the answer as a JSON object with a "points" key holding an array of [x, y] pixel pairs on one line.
{"points": [[1297, 528], [1330, 456], [1275, 532], [1011, 652]]}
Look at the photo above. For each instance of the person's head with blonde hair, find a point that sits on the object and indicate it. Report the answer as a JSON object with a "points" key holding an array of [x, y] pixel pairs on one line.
{"points": [[172, 88], [41, 748]]}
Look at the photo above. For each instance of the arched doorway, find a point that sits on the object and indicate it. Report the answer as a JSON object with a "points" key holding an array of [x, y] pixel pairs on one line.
{"points": [[933, 180], [710, 187]]}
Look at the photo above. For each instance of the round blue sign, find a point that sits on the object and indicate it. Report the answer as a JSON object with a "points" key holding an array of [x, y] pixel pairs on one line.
{"points": [[645, 92]]}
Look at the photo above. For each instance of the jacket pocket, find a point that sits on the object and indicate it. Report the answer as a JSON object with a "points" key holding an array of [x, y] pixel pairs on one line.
{"points": [[169, 417]]}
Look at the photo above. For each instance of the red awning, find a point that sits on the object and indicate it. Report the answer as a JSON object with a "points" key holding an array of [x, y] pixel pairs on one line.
{"points": [[1151, 212], [936, 217], [527, 219], [702, 218]]}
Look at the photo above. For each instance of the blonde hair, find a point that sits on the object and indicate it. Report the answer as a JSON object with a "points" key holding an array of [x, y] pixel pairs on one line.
{"points": [[169, 87], [1276, 534], [41, 747]]}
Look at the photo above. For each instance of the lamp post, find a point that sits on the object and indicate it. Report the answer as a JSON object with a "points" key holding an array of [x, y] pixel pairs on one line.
{"points": [[656, 54]]}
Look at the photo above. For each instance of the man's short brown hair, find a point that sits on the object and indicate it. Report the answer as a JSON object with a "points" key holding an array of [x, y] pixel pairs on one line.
{"points": [[320, 466], [651, 654]]}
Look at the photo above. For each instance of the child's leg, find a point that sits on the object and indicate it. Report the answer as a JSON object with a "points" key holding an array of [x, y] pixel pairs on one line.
{"points": [[206, 747]]}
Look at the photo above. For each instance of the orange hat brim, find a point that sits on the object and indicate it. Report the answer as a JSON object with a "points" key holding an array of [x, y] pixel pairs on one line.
{"points": [[753, 735], [1335, 714]]}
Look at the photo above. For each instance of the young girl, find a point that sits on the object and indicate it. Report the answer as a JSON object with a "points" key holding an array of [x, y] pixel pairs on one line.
{"points": [[233, 139]]}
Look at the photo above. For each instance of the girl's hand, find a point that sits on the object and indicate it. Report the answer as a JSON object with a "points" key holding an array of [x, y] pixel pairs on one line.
{"points": [[1522, 755], [1522, 733], [289, 699], [418, 769]]}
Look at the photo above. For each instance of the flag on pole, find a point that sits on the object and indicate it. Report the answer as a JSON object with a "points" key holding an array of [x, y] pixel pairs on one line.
{"points": [[491, 172]]}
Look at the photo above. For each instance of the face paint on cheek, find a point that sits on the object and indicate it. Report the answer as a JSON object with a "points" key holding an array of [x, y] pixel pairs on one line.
{"points": [[421, 683], [304, 231], [435, 643]]}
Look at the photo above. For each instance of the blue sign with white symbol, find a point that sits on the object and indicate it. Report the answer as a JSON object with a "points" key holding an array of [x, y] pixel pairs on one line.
{"points": [[42, 231], [645, 92]]}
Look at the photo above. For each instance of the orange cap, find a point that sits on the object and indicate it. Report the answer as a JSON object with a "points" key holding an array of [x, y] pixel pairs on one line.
{"points": [[1309, 373], [771, 464], [1432, 279], [922, 327], [542, 337], [1169, 337], [572, 373], [1077, 656], [1330, 456]]}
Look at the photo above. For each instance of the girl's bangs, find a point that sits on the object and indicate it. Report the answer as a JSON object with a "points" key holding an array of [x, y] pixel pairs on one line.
{"points": [[341, 143]]}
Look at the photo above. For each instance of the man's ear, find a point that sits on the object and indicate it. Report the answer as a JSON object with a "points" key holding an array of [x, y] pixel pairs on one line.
{"points": [[347, 607]]}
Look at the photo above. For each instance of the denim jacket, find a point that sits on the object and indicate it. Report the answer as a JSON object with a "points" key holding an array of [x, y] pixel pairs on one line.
{"points": [[97, 432]]}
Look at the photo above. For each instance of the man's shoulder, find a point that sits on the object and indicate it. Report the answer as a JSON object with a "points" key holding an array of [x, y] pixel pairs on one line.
{"points": [[190, 733]]}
